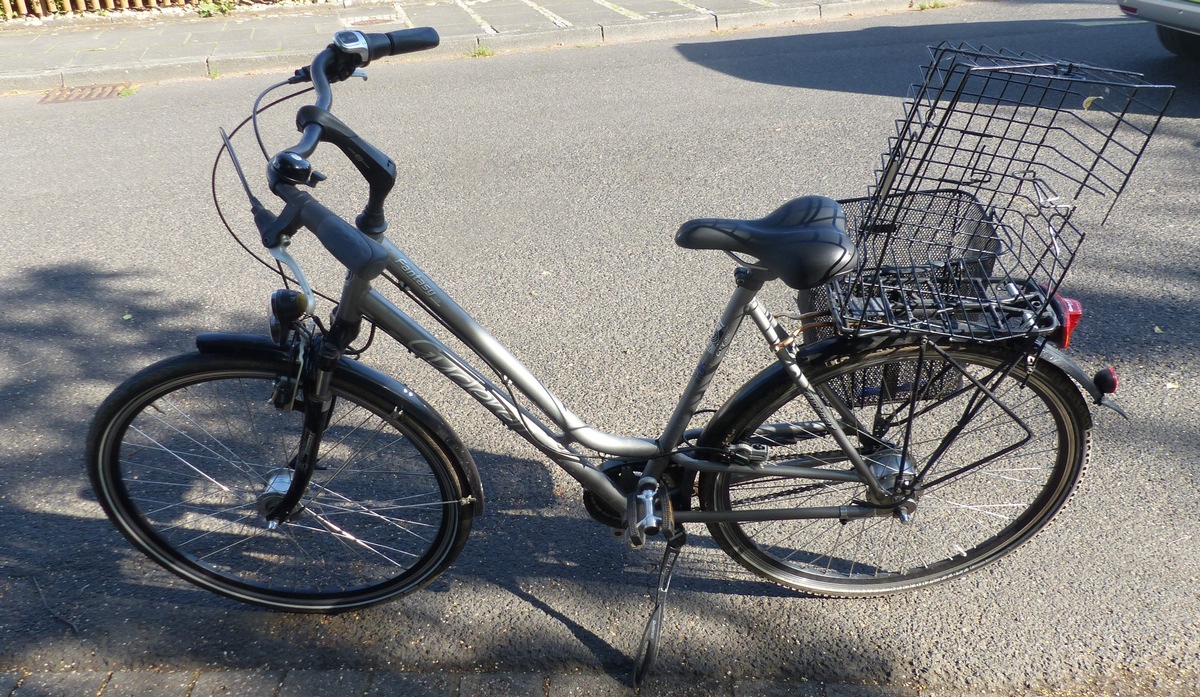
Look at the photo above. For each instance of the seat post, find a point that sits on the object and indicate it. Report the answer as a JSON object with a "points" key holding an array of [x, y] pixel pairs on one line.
{"points": [[743, 302]]}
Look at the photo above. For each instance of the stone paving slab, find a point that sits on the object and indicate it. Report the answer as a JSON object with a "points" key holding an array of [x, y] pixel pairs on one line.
{"points": [[147, 684], [306, 683], [61, 684], [238, 683], [392, 684], [675, 26], [449, 19], [583, 14]]}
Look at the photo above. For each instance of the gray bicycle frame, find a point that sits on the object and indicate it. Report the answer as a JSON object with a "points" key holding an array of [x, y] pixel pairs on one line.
{"points": [[360, 299]]}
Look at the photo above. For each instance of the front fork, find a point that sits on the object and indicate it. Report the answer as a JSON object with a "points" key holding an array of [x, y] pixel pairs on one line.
{"points": [[280, 500]]}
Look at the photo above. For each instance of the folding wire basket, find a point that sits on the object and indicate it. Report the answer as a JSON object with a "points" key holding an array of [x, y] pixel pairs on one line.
{"points": [[967, 231]]}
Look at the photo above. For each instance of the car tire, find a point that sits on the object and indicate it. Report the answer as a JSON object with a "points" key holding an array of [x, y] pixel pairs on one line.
{"points": [[1181, 43]]}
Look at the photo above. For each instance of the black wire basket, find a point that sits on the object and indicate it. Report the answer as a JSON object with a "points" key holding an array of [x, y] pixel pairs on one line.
{"points": [[967, 231]]}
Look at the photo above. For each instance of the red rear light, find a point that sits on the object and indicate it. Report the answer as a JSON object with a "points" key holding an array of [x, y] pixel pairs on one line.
{"points": [[1070, 311], [1106, 380], [1128, 10]]}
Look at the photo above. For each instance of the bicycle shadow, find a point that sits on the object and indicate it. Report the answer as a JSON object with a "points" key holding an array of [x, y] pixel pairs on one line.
{"points": [[548, 603]]}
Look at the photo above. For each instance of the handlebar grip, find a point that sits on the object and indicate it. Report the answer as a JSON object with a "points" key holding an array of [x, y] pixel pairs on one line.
{"points": [[393, 43], [358, 253]]}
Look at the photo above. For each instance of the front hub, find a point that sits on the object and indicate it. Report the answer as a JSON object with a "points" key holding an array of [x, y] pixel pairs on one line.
{"points": [[269, 499]]}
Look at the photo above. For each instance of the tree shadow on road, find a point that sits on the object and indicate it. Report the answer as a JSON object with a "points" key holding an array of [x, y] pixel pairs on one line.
{"points": [[835, 61], [539, 588]]}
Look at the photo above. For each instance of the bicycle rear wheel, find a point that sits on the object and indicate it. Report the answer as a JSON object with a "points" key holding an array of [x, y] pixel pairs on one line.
{"points": [[185, 456], [993, 469]]}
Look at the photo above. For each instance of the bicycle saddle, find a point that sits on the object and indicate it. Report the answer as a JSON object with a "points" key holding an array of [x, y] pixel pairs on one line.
{"points": [[804, 242]]}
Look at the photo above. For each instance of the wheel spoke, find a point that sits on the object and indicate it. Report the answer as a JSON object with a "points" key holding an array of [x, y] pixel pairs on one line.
{"points": [[997, 465], [195, 442]]}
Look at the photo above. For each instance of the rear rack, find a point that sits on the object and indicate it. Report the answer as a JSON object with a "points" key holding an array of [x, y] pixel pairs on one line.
{"points": [[967, 231]]}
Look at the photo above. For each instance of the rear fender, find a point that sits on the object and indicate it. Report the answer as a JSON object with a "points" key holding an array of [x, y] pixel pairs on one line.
{"points": [[773, 382], [1059, 359], [364, 376]]}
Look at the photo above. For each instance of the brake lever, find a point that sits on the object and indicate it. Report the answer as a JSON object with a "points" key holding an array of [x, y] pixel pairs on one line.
{"points": [[304, 74], [301, 76], [282, 256], [275, 230]]}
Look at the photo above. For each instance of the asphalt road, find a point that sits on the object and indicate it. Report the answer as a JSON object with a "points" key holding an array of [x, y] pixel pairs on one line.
{"points": [[543, 189]]}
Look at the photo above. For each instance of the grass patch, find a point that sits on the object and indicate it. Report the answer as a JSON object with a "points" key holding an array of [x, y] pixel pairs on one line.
{"points": [[481, 51], [212, 8]]}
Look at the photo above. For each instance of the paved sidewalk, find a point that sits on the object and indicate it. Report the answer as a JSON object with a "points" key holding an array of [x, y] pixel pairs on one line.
{"points": [[151, 46]]}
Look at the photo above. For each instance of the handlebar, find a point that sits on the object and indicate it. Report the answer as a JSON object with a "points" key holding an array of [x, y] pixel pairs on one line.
{"points": [[371, 47], [349, 51], [290, 169], [357, 252]]}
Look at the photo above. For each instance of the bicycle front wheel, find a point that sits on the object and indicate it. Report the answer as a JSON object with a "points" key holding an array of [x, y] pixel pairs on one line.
{"points": [[993, 467], [186, 455]]}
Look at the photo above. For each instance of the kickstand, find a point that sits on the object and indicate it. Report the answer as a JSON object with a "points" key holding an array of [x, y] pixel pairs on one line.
{"points": [[648, 650]]}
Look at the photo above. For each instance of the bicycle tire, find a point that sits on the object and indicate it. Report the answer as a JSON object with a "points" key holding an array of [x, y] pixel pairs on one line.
{"points": [[179, 455], [959, 525]]}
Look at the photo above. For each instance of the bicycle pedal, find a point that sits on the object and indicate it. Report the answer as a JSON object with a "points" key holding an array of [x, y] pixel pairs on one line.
{"points": [[753, 455], [641, 517], [635, 537]]}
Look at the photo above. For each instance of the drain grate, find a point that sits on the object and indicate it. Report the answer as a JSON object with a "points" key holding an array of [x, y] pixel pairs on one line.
{"points": [[373, 22], [86, 93]]}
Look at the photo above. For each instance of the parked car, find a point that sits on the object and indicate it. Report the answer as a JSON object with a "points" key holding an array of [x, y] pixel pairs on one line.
{"points": [[1177, 21]]}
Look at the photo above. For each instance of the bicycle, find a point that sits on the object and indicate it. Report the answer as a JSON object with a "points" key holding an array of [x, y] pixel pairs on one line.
{"points": [[921, 421]]}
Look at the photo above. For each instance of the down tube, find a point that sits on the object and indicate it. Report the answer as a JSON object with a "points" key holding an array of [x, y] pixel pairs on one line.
{"points": [[424, 345], [467, 330]]}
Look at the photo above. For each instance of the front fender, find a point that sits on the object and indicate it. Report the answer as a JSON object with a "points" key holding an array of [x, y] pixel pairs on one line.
{"points": [[364, 376]]}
